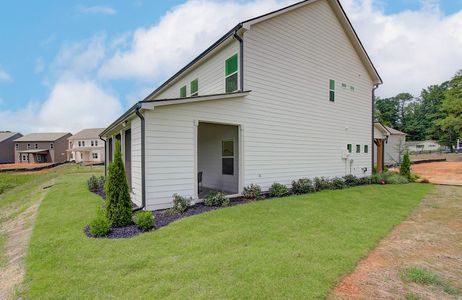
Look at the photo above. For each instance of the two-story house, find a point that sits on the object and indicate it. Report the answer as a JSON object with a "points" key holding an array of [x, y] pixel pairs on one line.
{"points": [[279, 97], [43, 147], [86, 146], [7, 146]]}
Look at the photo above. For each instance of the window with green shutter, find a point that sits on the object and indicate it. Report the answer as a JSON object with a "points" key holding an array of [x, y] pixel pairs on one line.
{"points": [[183, 92], [332, 90], [349, 147], [231, 74], [358, 148], [194, 87], [366, 148]]}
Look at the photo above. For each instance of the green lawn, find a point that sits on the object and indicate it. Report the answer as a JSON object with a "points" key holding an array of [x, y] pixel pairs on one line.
{"points": [[295, 247]]}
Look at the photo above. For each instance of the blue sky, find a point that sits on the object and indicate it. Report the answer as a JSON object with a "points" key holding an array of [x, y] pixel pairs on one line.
{"points": [[89, 50]]}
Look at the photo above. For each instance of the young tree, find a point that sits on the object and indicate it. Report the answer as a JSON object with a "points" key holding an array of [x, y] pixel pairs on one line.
{"points": [[405, 167], [118, 203]]}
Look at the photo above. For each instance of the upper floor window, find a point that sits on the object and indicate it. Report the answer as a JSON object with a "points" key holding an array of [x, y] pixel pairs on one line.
{"points": [[17, 146], [52, 145], [349, 147], [183, 92], [80, 144], [83, 143], [194, 87], [36, 146], [96, 143], [231, 74], [92, 143], [332, 90], [366, 148], [28, 146], [358, 148]]}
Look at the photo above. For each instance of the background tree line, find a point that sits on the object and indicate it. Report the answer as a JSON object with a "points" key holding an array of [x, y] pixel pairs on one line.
{"points": [[436, 114]]}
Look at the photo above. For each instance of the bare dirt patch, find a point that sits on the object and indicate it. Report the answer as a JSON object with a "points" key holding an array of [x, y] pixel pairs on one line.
{"points": [[18, 232], [23, 166], [440, 172], [431, 238]]}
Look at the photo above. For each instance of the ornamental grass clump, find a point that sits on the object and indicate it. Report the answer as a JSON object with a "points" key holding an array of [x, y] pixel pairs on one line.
{"points": [[118, 203]]}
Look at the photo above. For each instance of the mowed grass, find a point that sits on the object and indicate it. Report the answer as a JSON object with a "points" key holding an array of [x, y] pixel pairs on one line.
{"points": [[294, 247], [10, 180]]}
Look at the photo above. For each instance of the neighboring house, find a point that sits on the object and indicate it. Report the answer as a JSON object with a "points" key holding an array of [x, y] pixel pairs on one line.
{"points": [[86, 146], [279, 97], [44, 147], [393, 145], [7, 146], [423, 146]]}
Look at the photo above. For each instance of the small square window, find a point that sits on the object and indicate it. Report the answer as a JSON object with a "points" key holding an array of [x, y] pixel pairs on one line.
{"points": [[227, 165], [183, 92], [358, 148], [366, 148], [344, 85], [96, 143], [52, 146], [28, 146], [231, 83], [95, 155], [17, 146], [349, 147], [92, 143], [352, 88], [83, 143], [36, 146]]}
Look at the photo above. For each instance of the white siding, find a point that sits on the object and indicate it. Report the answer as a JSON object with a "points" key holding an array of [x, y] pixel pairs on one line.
{"points": [[210, 75], [289, 128], [394, 149]]}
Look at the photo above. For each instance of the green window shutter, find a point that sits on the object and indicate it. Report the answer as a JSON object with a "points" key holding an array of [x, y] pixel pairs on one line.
{"points": [[194, 87], [332, 85], [231, 65], [366, 148], [349, 147], [183, 92]]}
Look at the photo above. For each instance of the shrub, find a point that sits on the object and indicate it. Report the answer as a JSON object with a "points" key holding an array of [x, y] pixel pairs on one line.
{"points": [[425, 180], [101, 225], [337, 183], [144, 220], [215, 198], [321, 183], [101, 182], [92, 183], [302, 186], [119, 206], [405, 167], [180, 203], [396, 179], [364, 180], [252, 191], [351, 180], [278, 190]]}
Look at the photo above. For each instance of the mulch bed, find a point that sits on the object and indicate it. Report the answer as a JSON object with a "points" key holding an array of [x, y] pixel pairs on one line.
{"points": [[162, 218]]}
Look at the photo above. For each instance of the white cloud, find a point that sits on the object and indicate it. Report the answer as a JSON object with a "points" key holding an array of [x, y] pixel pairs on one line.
{"points": [[411, 49], [104, 10], [181, 34], [39, 65], [4, 76]]}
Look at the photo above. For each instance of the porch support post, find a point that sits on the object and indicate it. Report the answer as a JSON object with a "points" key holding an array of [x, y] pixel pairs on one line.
{"points": [[195, 154], [241, 180]]}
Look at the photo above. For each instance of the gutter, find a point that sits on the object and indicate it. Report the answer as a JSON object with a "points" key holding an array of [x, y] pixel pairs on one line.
{"points": [[143, 160], [373, 122], [105, 156]]}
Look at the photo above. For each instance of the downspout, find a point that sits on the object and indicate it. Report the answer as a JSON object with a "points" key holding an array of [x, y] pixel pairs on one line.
{"points": [[241, 60], [105, 156], [143, 161], [373, 120]]}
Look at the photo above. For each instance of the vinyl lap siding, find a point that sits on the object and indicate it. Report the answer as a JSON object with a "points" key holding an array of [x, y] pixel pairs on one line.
{"points": [[210, 75], [290, 128], [136, 161]]}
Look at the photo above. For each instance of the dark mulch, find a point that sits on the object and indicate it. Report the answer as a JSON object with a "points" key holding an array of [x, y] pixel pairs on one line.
{"points": [[162, 218]]}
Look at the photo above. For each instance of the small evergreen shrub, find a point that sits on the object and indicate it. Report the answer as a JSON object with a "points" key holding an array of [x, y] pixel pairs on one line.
{"points": [[215, 198], [180, 203], [351, 180], [337, 183], [119, 205], [252, 191], [405, 167], [278, 190], [364, 180], [321, 183], [396, 179], [101, 225], [101, 182], [92, 183], [302, 186], [144, 220]]}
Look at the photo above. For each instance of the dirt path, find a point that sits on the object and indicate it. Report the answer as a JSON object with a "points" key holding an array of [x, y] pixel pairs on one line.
{"points": [[18, 231], [430, 238], [440, 172]]}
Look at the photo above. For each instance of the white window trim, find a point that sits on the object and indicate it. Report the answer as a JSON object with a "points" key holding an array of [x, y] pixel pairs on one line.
{"points": [[237, 71], [233, 156]]}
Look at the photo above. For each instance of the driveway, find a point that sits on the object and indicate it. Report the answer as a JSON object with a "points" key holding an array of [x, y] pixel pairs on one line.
{"points": [[440, 172]]}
